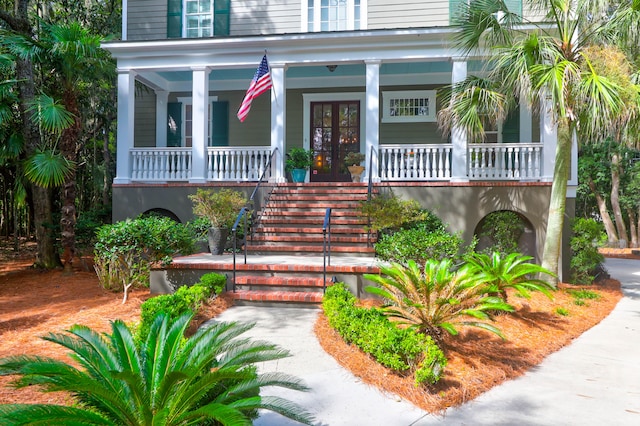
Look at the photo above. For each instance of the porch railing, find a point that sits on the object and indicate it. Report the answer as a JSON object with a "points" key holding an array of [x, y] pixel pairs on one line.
{"points": [[415, 162], [161, 164], [504, 161], [237, 164]]}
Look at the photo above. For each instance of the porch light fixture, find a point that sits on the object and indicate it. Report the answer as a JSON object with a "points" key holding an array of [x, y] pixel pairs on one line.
{"points": [[332, 68]]}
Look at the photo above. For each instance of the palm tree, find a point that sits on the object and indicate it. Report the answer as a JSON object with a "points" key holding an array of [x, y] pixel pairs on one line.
{"points": [[511, 271], [546, 62], [71, 55], [164, 379], [436, 299]]}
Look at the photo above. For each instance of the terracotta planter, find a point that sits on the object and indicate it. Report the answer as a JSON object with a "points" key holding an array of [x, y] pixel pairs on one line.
{"points": [[356, 172], [217, 240]]}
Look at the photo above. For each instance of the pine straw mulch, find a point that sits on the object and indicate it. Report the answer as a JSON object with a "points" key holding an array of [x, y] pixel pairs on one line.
{"points": [[34, 303], [479, 360]]}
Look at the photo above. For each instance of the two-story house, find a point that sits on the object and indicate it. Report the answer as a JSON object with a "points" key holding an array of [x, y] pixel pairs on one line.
{"points": [[347, 75]]}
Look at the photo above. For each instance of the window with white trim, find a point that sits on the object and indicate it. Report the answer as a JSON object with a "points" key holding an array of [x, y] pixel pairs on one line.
{"points": [[408, 106], [333, 15], [187, 120], [198, 16]]}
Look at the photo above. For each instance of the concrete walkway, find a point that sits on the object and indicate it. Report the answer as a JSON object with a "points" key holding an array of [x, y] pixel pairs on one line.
{"points": [[594, 381]]}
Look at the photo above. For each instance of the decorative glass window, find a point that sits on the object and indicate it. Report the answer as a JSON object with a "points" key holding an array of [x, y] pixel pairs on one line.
{"points": [[333, 15], [409, 106]]}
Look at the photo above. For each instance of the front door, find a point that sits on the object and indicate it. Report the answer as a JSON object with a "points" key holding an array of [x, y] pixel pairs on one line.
{"points": [[335, 131]]}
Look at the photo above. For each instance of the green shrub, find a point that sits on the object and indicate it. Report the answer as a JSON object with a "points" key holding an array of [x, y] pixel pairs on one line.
{"points": [[185, 299], [588, 235], [503, 229], [401, 349], [387, 213], [124, 251], [580, 296], [419, 244]]}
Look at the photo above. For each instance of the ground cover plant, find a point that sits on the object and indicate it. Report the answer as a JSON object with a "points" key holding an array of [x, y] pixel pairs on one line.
{"points": [[476, 361], [165, 379]]}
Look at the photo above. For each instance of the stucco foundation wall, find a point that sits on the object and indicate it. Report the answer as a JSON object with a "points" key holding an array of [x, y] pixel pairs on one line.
{"points": [[463, 206]]}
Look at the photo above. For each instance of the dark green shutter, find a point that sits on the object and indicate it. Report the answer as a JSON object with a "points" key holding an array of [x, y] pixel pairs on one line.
{"points": [[221, 17], [174, 124], [453, 9], [220, 123], [174, 18], [514, 6], [511, 127]]}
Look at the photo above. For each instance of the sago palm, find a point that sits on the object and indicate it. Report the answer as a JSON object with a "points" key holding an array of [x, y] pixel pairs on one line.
{"points": [[436, 298], [545, 63], [166, 379], [511, 271]]}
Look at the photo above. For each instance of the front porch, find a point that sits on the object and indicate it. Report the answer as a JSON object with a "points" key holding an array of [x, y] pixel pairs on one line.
{"points": [[408, 162]]}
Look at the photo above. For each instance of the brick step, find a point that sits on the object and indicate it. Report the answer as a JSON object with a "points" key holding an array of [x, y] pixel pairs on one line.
{"points": [[307, 230], [307, 239], [280, 205], [353, 192], [329, 197], [279, 281], [273, 220], [309, 214], [313, 298], [304, 249]]}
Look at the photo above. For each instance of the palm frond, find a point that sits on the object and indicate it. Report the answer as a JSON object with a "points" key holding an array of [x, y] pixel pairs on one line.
{"points": [[51, 114], [47, 168], [33, 415]]}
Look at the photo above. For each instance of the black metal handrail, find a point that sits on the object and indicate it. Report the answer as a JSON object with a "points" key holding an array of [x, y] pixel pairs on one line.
{"points": [[326, 247], [234, 233], [369, 194], [249, 209]]}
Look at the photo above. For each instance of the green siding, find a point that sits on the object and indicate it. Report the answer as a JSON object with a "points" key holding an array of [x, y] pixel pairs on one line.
{"points": [[514, 6]]}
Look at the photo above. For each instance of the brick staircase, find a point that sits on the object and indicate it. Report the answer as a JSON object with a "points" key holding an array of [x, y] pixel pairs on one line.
{"points": [[285, 263], [292, 221]]}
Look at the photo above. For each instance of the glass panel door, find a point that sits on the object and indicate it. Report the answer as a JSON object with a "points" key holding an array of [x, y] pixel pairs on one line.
{"points": [[335, 131]]}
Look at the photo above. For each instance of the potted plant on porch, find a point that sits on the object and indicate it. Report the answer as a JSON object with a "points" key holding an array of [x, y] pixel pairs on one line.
{"points": [[299, 160], [221, 209], [353, 160]]}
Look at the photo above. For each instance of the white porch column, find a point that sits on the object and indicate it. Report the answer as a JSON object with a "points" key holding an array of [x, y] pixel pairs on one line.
{"points": [[526, 123], [200, 111], [162, 98], [278, 120], [126, 110], [372, 119], [549, 139], [458, 135]]}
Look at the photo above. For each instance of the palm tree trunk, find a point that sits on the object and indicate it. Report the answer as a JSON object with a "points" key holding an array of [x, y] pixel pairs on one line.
{"points": [[610, 229], [558, 201], [46, 256], [633, 232], [615, 201], [68, 209]]}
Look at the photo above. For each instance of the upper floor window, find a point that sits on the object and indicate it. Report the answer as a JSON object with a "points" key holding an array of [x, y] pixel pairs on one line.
{"points": [[334, 15], [197, 18]]}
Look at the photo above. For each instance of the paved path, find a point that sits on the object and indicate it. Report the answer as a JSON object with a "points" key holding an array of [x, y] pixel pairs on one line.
{"points": [[594, 381]]}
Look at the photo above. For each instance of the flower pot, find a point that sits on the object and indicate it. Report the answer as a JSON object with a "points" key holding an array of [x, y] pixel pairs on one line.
{"points": [[217, 240], [356, 172], [298, 175]]}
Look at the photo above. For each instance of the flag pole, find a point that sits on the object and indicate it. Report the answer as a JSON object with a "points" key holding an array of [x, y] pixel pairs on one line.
{"points": [[273, 88]]}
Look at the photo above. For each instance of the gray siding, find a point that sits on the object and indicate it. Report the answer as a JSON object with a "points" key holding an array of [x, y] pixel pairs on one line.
{"points": [[408, 14], [254, 17], [144, 133], [147, 20]]}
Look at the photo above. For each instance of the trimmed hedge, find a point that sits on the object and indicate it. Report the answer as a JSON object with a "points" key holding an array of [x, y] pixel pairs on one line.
{"points": [[185, 299], [401, 349]]}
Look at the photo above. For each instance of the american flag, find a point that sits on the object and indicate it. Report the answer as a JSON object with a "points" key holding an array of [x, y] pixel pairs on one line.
{"points": [[261, 83]]}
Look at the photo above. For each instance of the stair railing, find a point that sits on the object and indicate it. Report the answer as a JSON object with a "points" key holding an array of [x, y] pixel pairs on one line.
{"points": [[250, 209], [326, 247], [369, 194]]}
